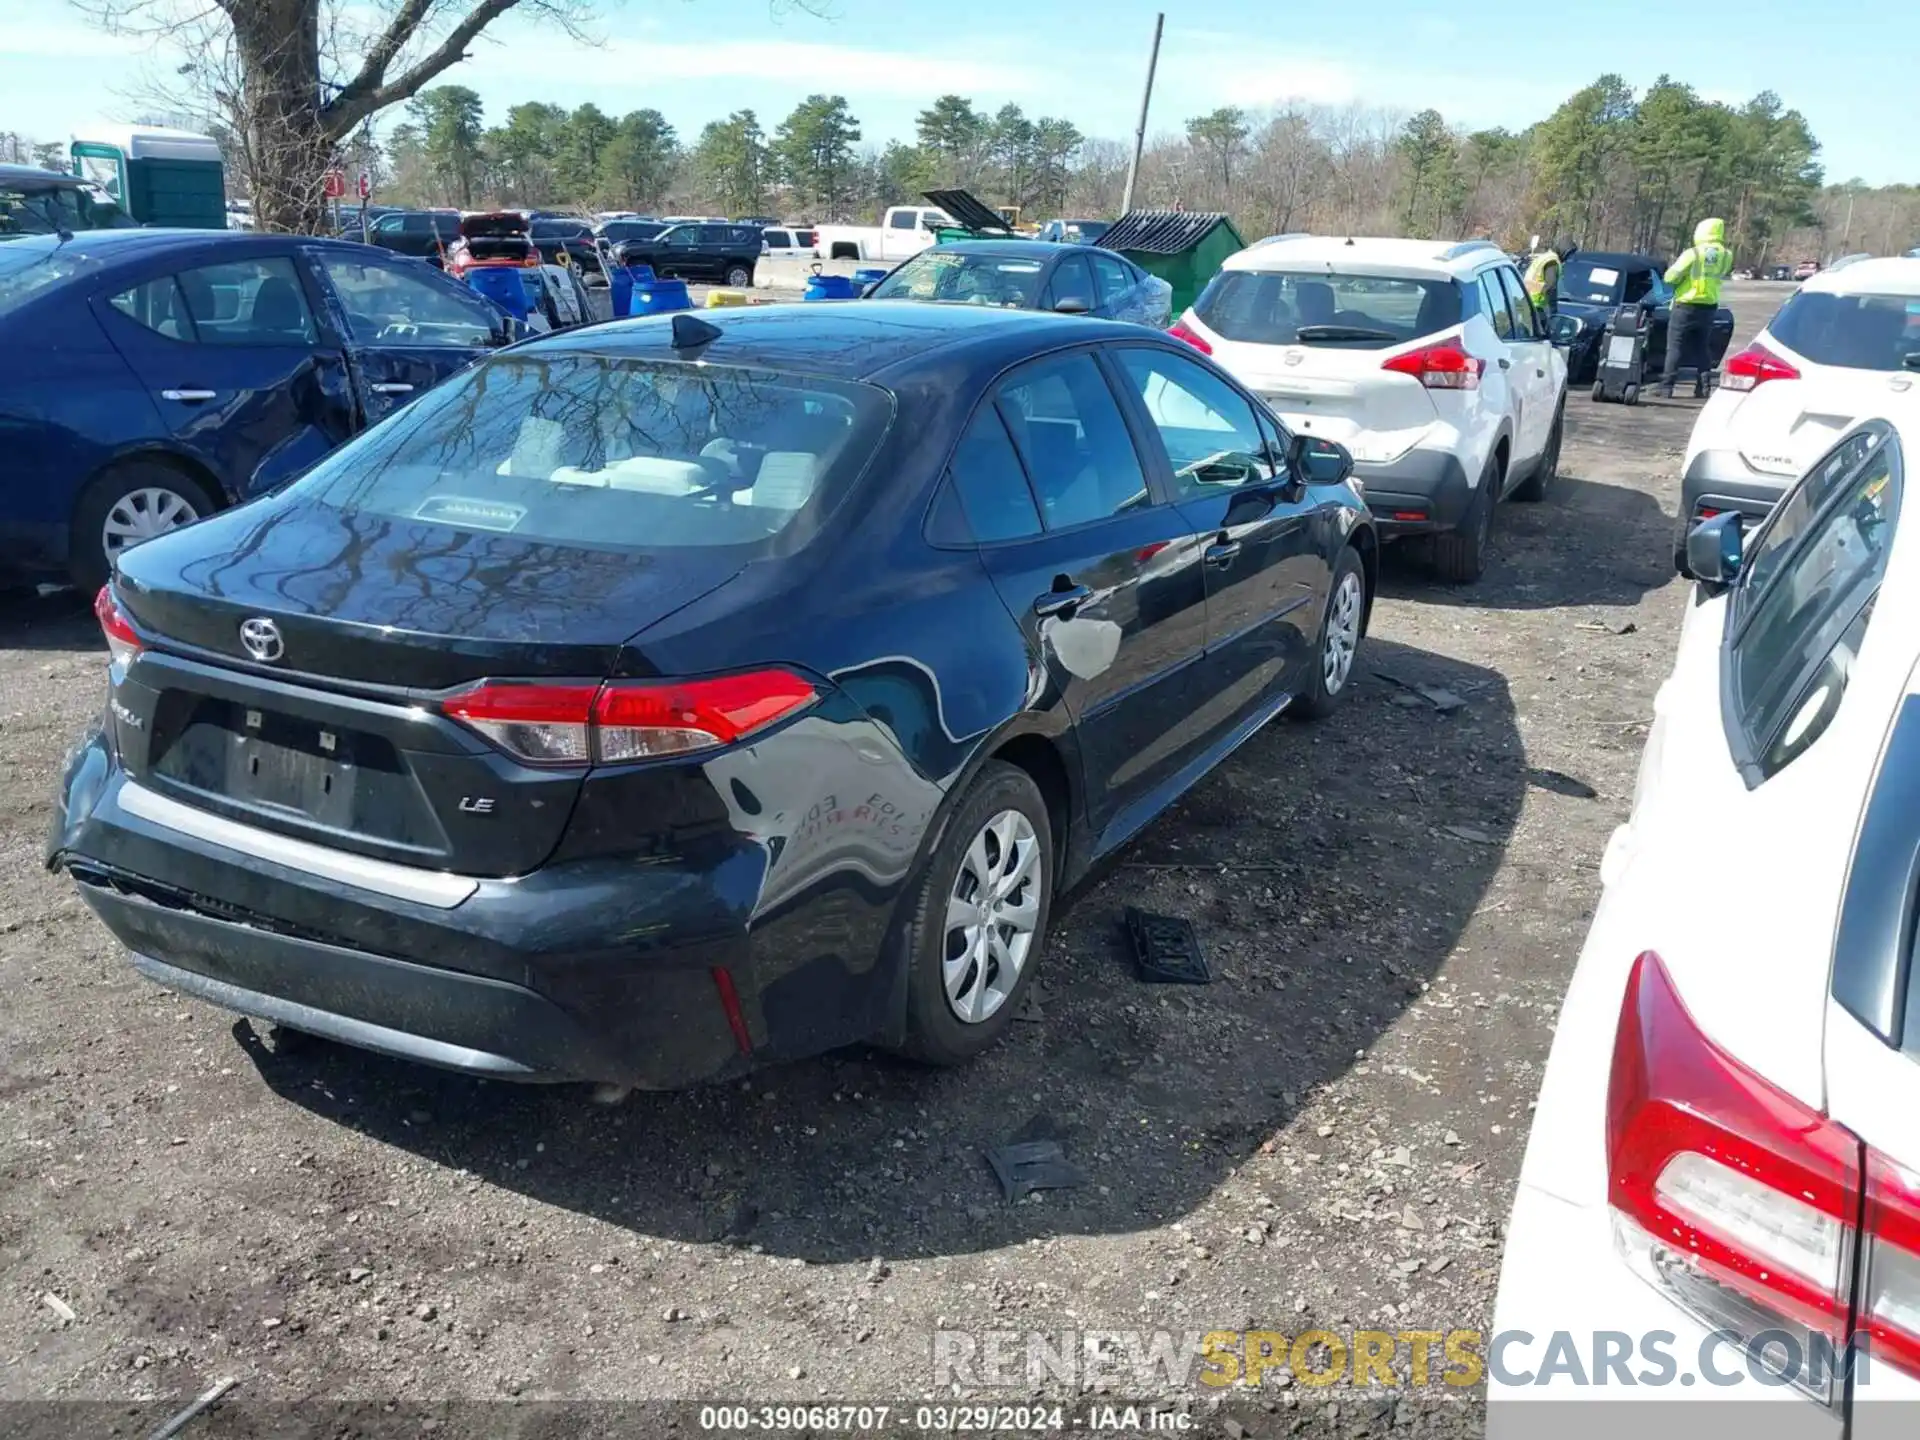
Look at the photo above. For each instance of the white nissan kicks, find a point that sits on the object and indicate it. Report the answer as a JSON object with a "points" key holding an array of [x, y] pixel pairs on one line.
{"points": [[1721, 1193], [1842, 344], [1425, 360]]}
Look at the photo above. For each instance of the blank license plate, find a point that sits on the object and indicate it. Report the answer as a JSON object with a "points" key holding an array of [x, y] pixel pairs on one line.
{"points": [[267, 773]]}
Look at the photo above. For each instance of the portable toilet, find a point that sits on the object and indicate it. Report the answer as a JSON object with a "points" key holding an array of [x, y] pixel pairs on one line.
{"points": [[1185, 249], [157, 176]]}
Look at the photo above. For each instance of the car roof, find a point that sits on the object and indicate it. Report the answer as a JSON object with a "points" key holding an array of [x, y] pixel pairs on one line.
{"points": [[1007, 249], [111, 246], [852, 340], [33, 175], [1620, 259], [1367, 254], [1881, 276]]}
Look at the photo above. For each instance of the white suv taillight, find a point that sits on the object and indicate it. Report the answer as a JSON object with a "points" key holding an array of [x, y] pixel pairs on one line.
{"points": [[1754, 367], [1440, 366], [571, 724], [1745, 1206]]}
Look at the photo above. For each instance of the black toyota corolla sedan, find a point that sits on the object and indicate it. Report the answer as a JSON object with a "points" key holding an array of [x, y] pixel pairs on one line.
{"points": [[667, 697]]}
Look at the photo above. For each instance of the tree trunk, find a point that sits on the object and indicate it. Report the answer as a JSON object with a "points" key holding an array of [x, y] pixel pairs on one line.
{"points": [[279, 45]]}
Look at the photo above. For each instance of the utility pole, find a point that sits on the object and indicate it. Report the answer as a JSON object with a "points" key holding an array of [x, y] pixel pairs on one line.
{"points": [[1140, 130]]}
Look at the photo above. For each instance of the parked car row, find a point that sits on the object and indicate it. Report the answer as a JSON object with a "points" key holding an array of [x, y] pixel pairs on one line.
{"points": [[1724, 1149]]}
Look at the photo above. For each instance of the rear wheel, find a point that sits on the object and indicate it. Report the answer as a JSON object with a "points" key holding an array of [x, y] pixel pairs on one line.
{"points": [[1599, 390], [979, 918], [127, 505], [1341, 627], [1630, 395], [1534, 487], [1460, 555], [739, 277]]}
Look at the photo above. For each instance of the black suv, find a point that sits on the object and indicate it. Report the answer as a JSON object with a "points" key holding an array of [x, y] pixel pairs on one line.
{"points": [[555, 236], [723, 253], [423, 234]]}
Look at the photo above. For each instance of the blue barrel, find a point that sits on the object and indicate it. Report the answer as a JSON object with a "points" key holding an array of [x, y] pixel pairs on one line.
{"points": [[659, 297], [829, 287], [620, 282], [868, 275], [505, 287]]}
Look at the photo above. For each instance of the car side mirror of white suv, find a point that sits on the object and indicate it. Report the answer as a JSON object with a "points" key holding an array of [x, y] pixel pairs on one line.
{"points": [[1716, 552]]}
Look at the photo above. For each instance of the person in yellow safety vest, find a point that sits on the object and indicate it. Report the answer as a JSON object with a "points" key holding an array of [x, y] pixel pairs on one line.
{"points": [[1695, 278], [1542, 280]]}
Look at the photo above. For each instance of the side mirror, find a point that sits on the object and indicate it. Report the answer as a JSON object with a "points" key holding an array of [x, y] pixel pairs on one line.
{"points": [[1716, 552], [1072, 305], [1317, 461], [1912, 361], [1565, 329]]}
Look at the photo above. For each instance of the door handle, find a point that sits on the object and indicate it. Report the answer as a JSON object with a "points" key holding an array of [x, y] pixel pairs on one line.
{"points": [[1505, 364], [187, 397], [1061, 602], [1221, 552], [392, 387]]}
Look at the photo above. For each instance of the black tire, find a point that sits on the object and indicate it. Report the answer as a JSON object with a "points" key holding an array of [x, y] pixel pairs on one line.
{"points": [[1630, 395], [1460, 555], [1534, 488], [935, 1035], [88, 559], [739, 277], [1322, 696], [1599, 390]]}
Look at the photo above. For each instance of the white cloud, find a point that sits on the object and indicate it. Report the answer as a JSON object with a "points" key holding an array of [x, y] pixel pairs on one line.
{"points": [[63, 38]]}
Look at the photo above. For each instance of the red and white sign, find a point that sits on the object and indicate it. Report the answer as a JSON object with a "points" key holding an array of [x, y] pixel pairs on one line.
{"points": [[366, 185], [336, 184]]}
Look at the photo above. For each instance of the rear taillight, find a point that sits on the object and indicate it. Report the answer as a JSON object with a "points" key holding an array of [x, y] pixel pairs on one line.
{"points": [[621, 720], [123, 643], [1754, 366], [1890, 1299], [1180, 330], [1730, 1195], [1444, 366]]}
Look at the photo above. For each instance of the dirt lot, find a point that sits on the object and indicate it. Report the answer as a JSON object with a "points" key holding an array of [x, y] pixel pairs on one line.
{"points": [[1326, 1137]]}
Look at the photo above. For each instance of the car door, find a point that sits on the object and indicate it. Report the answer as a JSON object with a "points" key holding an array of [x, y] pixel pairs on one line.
{"points": [[678, 253], [1101, 573], [239, 369], [1266, 568], [1533, 374], [1501, 392], [406, 328]]}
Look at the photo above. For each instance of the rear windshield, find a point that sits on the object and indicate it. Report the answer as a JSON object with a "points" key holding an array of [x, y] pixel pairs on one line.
{"points": [[49, 210], [610, 453], [1366, 312], [1012, 281], [27, 267], [1590, 282], [1859, 332]]}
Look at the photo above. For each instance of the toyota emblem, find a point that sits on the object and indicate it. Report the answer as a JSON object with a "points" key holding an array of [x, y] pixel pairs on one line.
{"points": [[261, 637]]}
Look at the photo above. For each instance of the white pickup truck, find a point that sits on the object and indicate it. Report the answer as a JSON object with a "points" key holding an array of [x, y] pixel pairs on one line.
{"points": [[904, 231]]}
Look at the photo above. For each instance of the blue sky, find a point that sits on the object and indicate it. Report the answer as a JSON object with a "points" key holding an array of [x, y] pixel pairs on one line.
{"points": [[1845, 63]]}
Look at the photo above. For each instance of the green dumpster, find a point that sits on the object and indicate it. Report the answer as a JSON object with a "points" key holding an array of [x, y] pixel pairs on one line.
{"points": [[157, 176], [1185, 249]]}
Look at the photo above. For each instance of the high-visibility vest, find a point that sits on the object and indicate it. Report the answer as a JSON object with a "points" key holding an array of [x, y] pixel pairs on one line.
{"points": [[1706, 266], [1543, 273]]}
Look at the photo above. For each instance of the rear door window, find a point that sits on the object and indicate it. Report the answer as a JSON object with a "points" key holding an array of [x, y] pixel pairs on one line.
{"points": [[158, 305], [1068, 429], [248, 302], [1856, 332], [987, 475], [1799, 625], [1113, 276], [1365, 312], [1518, 305], [1494, 300]]}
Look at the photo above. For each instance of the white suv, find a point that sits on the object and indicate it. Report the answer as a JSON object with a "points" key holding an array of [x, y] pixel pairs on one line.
{"points": [[1425, 360], [1722, 1183], [1839, 347]]}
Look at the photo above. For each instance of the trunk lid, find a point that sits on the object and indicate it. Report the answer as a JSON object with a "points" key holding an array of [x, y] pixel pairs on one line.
{"points": [[325, 726], [1783, 426], [1336, 393]]}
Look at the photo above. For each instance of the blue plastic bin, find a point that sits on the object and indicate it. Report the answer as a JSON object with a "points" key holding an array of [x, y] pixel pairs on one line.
{"points": [[867, 275], [660, 297], [507, 288], [620, 281], [829, 287]]}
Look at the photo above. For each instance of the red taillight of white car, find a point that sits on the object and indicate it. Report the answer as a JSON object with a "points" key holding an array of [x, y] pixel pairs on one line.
{"points": [[1753, 367], [123, 642], [1180, 330], [621, 720], [1442, 366], [1744, 1205]]}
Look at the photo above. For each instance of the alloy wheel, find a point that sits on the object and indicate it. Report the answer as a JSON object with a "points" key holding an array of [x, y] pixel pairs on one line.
{"points": [[1343, 634], [992, 912], [142, 514]]}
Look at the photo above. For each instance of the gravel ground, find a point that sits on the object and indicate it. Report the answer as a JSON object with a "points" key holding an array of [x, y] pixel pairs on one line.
{"points": [[1326, 1137]]}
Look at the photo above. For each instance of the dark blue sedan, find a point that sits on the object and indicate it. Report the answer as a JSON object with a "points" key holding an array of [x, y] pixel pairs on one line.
{"points": [[1033, 275], [663, 698], [151, 377]]}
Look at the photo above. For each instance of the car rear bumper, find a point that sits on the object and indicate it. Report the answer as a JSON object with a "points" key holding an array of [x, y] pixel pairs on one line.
{"points": [[602, 970], [1422, 492], [1720, 480]]}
